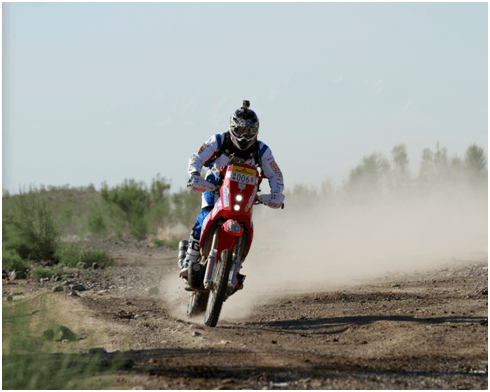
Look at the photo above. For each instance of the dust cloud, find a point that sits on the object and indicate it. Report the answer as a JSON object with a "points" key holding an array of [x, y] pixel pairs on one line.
{"points": [[172, 293], [330, 244], [327, 244]]}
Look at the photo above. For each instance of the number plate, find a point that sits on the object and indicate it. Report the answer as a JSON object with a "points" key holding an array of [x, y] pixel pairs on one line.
{"points": [[243, 178], [244, 170]]}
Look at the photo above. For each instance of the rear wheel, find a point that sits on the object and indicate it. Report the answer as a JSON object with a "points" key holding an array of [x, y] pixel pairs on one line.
{"points": [[197, 303], [218, 291]]}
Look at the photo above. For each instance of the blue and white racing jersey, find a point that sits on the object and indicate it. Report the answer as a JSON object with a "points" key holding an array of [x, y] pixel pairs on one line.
{"points": [[206, 156]]}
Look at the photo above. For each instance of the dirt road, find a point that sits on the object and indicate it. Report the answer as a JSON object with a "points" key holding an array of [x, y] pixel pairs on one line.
{"points": [[418, 331], [424, 330]]}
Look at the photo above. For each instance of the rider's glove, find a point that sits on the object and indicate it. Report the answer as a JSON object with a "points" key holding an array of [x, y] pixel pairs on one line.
{"points": [[192, 177], [199, 184], [273, 200]]}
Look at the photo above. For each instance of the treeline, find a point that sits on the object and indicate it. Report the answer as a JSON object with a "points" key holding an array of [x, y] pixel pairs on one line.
{"points": [[377, 178], [35, 220]]}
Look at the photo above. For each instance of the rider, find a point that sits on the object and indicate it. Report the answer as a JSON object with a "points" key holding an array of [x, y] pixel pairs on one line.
{"points": [[241, 141]]}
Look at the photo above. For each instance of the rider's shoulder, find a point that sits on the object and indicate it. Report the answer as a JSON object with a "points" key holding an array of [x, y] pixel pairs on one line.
{"points": [[217, 140], [264, 149]]}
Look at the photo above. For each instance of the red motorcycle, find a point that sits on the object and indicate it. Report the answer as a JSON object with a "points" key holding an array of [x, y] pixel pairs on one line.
{"points": [[226, 237]]}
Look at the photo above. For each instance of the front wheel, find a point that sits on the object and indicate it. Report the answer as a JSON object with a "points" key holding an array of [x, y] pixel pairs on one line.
{"points": [[197, 303], [218, 291]]}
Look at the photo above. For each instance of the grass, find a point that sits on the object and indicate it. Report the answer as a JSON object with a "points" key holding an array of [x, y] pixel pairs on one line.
{"points": [[40, 272], [38, 354], [71, 255], [53, 371]]}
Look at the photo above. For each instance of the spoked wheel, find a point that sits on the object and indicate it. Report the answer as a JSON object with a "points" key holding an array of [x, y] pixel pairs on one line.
{"points": [[218, 291], [197, 303]]}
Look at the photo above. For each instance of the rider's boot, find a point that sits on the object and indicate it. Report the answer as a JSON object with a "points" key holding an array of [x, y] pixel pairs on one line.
{"points": [[240, 278], [190, 257]]}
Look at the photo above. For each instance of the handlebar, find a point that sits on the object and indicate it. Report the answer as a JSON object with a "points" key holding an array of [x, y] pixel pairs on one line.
{"points": [[199, 184], [257, 202]]}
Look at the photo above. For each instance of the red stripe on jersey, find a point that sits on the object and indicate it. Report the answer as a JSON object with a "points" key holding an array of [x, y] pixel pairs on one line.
{"points": [[209, 160]]}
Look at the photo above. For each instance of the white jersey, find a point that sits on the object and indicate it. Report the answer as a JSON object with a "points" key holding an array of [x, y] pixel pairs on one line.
{"points": [[206, 156]]}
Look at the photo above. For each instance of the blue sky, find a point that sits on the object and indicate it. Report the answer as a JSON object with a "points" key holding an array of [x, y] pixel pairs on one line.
{"points": [[96, 92]]}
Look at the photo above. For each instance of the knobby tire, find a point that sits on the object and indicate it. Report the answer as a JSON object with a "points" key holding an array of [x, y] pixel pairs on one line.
{"points": [[218, 292], [197, 303]]}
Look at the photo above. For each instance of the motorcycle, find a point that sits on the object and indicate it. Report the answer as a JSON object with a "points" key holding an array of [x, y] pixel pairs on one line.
{"points": [[226, 238]]}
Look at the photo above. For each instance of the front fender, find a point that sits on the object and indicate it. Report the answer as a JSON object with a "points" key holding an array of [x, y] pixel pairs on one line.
{"points": [[233, 227]]}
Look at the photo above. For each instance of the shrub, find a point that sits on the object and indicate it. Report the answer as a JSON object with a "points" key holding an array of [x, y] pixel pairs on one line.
{"points": [[5, 236], [186, 207], [475, 158], [135, 207], [19, 246], [127, 202], [11, 260], [72, 254], [368, 177], [69, 254], [159, 242], [101, 258], [96, 223], [31, 226], [139, 227], [41, 272]]}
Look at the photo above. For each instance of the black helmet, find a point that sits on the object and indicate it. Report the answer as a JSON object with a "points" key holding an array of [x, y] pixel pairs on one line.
{"points": [[244, 127]]}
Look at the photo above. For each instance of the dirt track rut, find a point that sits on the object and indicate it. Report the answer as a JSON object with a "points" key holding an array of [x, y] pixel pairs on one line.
{"points": [[424, 330], [419, 331]]}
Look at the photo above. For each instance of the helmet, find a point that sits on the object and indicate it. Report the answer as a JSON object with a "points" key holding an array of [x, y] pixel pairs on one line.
{"points": [[244, 127]]}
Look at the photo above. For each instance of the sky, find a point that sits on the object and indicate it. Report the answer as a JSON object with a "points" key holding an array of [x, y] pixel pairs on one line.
{"points": [[103, 92]]}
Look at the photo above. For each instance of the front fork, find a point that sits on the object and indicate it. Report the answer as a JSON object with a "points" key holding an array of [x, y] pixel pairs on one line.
{"points": [[211, 264], [237, 264]]}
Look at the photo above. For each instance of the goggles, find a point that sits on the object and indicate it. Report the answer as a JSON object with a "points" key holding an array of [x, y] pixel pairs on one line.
{"points": [[244, 131]]}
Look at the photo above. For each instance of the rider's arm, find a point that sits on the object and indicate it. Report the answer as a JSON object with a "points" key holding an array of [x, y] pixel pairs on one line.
{"points": [[271, 170], [204, 155]]}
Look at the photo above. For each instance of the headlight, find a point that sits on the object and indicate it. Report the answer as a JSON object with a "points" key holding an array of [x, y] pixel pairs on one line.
{"points": [[236, 207], [239, 197]]}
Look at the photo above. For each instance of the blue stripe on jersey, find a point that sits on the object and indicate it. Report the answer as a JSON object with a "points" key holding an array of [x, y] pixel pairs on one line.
{"points": [[218, 139], [263, 150]]}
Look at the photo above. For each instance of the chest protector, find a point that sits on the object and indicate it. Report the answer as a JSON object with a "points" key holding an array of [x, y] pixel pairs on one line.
{"points": [[229, 148]]}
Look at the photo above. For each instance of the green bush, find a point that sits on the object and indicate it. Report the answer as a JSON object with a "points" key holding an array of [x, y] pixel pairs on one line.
{"points": [[19, 246], [101, 258], [96, 223], [5, 235], [12, 261], [127, 202], [41, 272], [139, 227], [187, 205], [32, 229], [129, 209], [134, 208], [32, 220], [72, 254], [69, 254]]}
